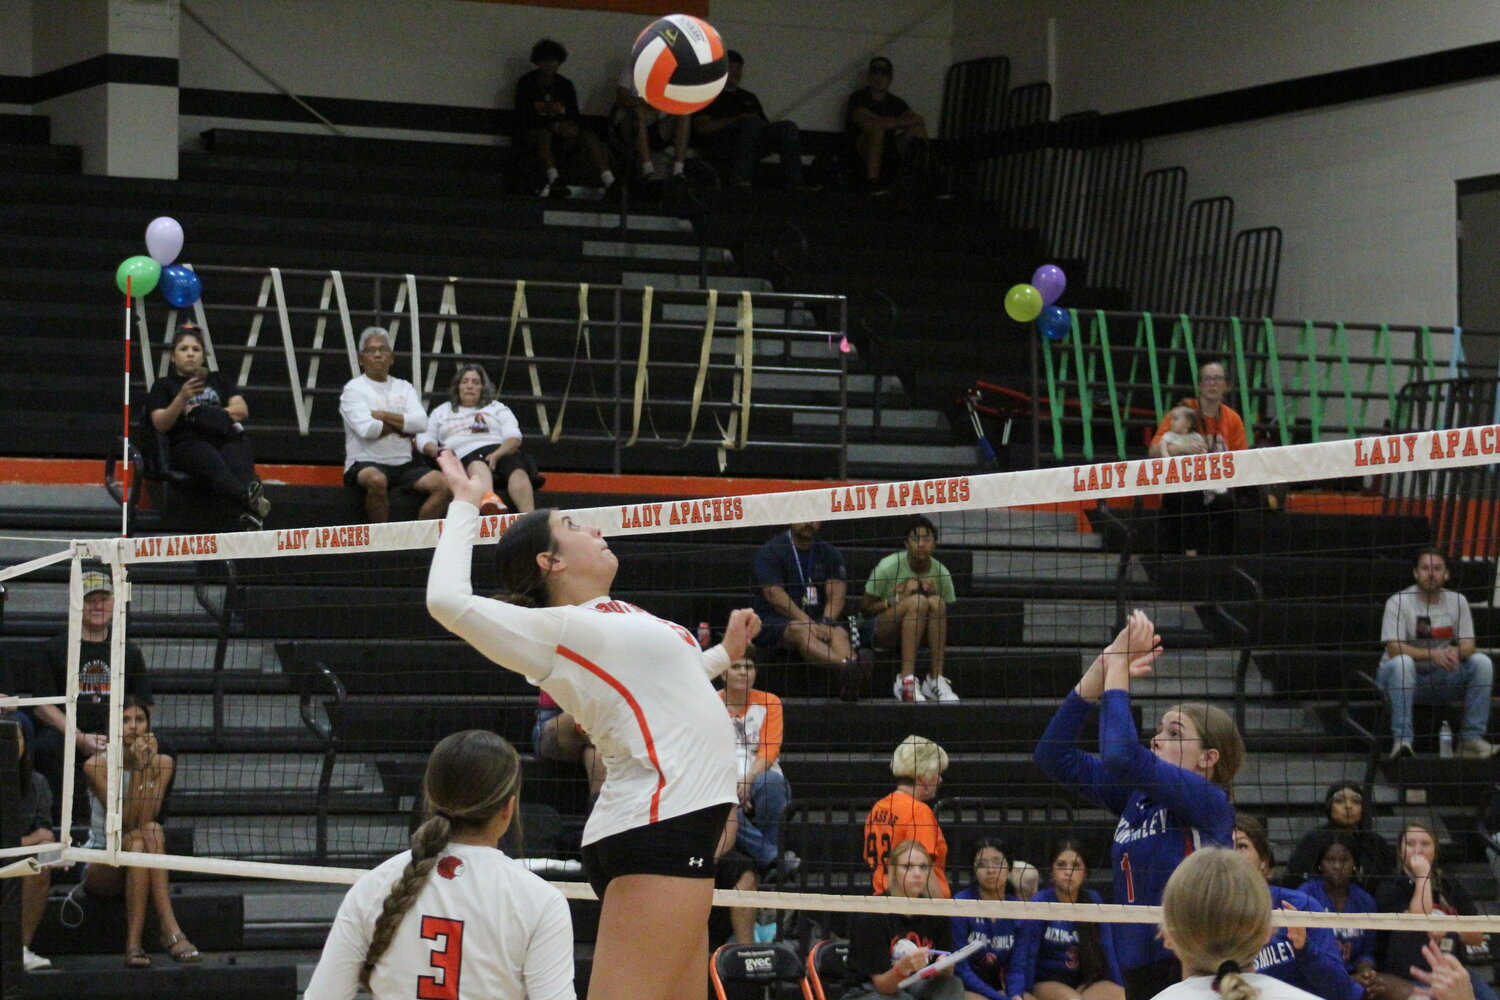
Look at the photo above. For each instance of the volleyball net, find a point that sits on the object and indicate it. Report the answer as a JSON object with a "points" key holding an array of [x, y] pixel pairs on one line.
{"points": [[300, 683]]}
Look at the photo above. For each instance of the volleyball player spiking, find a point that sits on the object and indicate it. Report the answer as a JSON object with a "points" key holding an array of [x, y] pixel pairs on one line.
{"points": [[453, 916], [642, 689]]}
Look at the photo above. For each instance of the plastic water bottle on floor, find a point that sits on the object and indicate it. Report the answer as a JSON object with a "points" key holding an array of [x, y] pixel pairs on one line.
{"points": [[1445, 741]]}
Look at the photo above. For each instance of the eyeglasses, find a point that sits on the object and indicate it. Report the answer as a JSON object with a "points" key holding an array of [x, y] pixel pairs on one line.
{"points": [[1212, 378], [376, 350]]}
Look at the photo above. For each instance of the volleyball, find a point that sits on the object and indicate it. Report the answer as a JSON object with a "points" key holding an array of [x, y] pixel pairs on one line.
{"points": [[679, 64]]}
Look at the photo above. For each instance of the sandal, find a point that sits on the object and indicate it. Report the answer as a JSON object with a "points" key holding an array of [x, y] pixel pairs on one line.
{"points": [[180, 948], [136, 958]]}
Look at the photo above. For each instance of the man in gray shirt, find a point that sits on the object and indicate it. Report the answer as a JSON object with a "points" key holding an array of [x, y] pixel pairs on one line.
{"points": [[1430, 657]]}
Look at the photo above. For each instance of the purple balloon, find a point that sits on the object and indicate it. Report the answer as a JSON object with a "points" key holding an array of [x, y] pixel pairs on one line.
{"points": [[1050, 281]]}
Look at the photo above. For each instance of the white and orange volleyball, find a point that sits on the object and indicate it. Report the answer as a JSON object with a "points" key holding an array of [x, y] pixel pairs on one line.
{"points": [[679, 64]]}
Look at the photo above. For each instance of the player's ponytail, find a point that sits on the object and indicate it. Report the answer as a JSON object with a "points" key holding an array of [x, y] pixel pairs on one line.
{"points": [[470, 777], [516, 565], [1216, 915]]}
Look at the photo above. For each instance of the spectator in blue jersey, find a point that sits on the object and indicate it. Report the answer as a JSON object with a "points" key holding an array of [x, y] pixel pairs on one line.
{"points": [[801, 586], [1419, 886], [1171, 799], [1305, 957], [984, 974], [1065, 959], [1337, 892]]}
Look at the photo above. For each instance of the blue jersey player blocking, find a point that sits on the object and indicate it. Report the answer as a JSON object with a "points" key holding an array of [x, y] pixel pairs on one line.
{"points": [[1171, 799]]}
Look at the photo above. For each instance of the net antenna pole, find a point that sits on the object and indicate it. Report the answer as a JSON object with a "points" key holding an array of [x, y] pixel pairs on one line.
{"points": [[125, 430]]}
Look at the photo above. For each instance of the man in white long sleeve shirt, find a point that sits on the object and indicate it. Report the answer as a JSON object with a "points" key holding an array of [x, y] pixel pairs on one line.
{"points": [[381, 416]]}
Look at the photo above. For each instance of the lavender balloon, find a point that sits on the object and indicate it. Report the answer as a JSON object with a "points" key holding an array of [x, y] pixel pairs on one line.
{"points": [[1050, 281], [164, 240]]}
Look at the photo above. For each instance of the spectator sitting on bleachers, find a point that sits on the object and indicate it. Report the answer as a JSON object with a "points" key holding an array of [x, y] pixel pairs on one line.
{"points": [[145, 779], [1431, 657], [886, 948], [638, 130], [484, 434], [1335, 889], [556, 737], [984, 973], [1419, 886], [1064, 959], [92, 708], [881, 124], [763, 789], [1195, 521], [202, 413], [1305, 957], [1347, 817], [732, 870], [918, 764], [800, 600], [549, 123], [382, 414], [734, 133], [35, 812], [908, 594]]}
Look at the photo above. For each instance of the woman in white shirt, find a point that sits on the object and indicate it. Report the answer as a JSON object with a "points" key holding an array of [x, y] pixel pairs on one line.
{"points": [[484, 922], [641, 687], [484, 434], [1216, 917]]}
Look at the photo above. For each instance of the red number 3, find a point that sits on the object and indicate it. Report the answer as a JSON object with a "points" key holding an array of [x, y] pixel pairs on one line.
{"points": [[448, 959]]}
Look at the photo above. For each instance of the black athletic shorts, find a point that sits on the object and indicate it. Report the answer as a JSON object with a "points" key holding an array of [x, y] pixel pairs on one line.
{"points": [[507, 464], [682, 846], [396, 476]]}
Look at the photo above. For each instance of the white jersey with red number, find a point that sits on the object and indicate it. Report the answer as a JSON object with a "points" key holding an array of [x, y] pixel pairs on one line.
{"points": [[481, 926], [640, 686]]}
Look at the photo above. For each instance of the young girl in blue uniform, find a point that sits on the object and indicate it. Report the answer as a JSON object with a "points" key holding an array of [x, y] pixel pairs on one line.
{"points": [[1305, 957], [1337, 892], [1171, 799], [1062, 959], [984, 973]]}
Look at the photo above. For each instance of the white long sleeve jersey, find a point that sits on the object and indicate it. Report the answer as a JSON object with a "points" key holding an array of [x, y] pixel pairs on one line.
{"points": [[639, 686], [463, 429], [481, 926], [362, 432]]}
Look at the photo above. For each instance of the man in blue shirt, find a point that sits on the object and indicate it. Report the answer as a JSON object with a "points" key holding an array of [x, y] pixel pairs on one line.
{"points": [[800, 601]]}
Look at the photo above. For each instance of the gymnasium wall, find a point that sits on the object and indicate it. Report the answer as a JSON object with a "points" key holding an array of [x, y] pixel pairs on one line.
{"points": [[1364, 191], [802, 59]]}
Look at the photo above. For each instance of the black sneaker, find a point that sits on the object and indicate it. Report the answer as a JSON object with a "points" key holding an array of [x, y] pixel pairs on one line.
{"points": [[255, 500], [851, 680], [249, 522], [559, 191]]}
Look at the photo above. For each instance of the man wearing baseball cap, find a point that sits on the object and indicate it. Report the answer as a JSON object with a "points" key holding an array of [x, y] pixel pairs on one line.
{"points": [[93, 691], [879, 121]]}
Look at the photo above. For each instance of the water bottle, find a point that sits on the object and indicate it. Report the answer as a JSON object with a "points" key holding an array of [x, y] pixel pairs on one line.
{"points": [[1445, 741], [705, 637]]}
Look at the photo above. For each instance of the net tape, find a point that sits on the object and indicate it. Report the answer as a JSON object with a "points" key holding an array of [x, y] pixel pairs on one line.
{"points": [[1408, 452], [1405, 452]]}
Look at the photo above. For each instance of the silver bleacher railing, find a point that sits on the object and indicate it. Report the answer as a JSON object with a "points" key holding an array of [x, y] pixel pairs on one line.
{"points": [[728, 356]]}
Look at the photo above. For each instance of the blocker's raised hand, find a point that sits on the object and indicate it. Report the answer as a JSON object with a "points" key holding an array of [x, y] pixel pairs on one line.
{"points": [[463, 486]]}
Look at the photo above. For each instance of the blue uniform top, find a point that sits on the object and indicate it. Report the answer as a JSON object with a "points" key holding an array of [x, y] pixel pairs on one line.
{"points": [[985, 971], [1317, 968], [1165, 812], [1355, 944], [1047, 950]]}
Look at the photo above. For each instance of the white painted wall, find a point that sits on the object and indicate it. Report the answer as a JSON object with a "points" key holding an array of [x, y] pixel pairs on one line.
{"points": [[15, 37]]}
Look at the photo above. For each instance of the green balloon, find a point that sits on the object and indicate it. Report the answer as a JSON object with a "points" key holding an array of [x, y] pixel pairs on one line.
{"points": [[1023, 303], [143, 273]]}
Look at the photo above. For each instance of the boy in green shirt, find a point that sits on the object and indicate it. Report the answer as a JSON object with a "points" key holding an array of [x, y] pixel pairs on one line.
{"points": [[907, 595]]}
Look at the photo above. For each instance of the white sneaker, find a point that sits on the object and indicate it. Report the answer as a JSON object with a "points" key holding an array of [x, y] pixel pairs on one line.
{"points": [[906, 689], [33, 962], [938, 689], [1477, 749]]}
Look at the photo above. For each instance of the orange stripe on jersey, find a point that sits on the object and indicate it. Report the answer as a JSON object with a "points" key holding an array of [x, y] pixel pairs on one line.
{"points": [[640, 719]]}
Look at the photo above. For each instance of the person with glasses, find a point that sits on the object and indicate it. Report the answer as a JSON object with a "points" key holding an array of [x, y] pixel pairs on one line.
{"points": [[887, 948], [984, 973], [1202, 521], [382, 414]]}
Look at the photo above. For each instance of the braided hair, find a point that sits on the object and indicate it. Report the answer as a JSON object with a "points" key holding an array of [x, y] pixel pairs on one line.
{"points": [[471, 776], [1216, 915]]}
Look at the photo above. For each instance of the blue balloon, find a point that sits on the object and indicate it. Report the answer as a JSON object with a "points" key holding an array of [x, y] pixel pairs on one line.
{"points": [[180, 286], [1054, 322]]}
